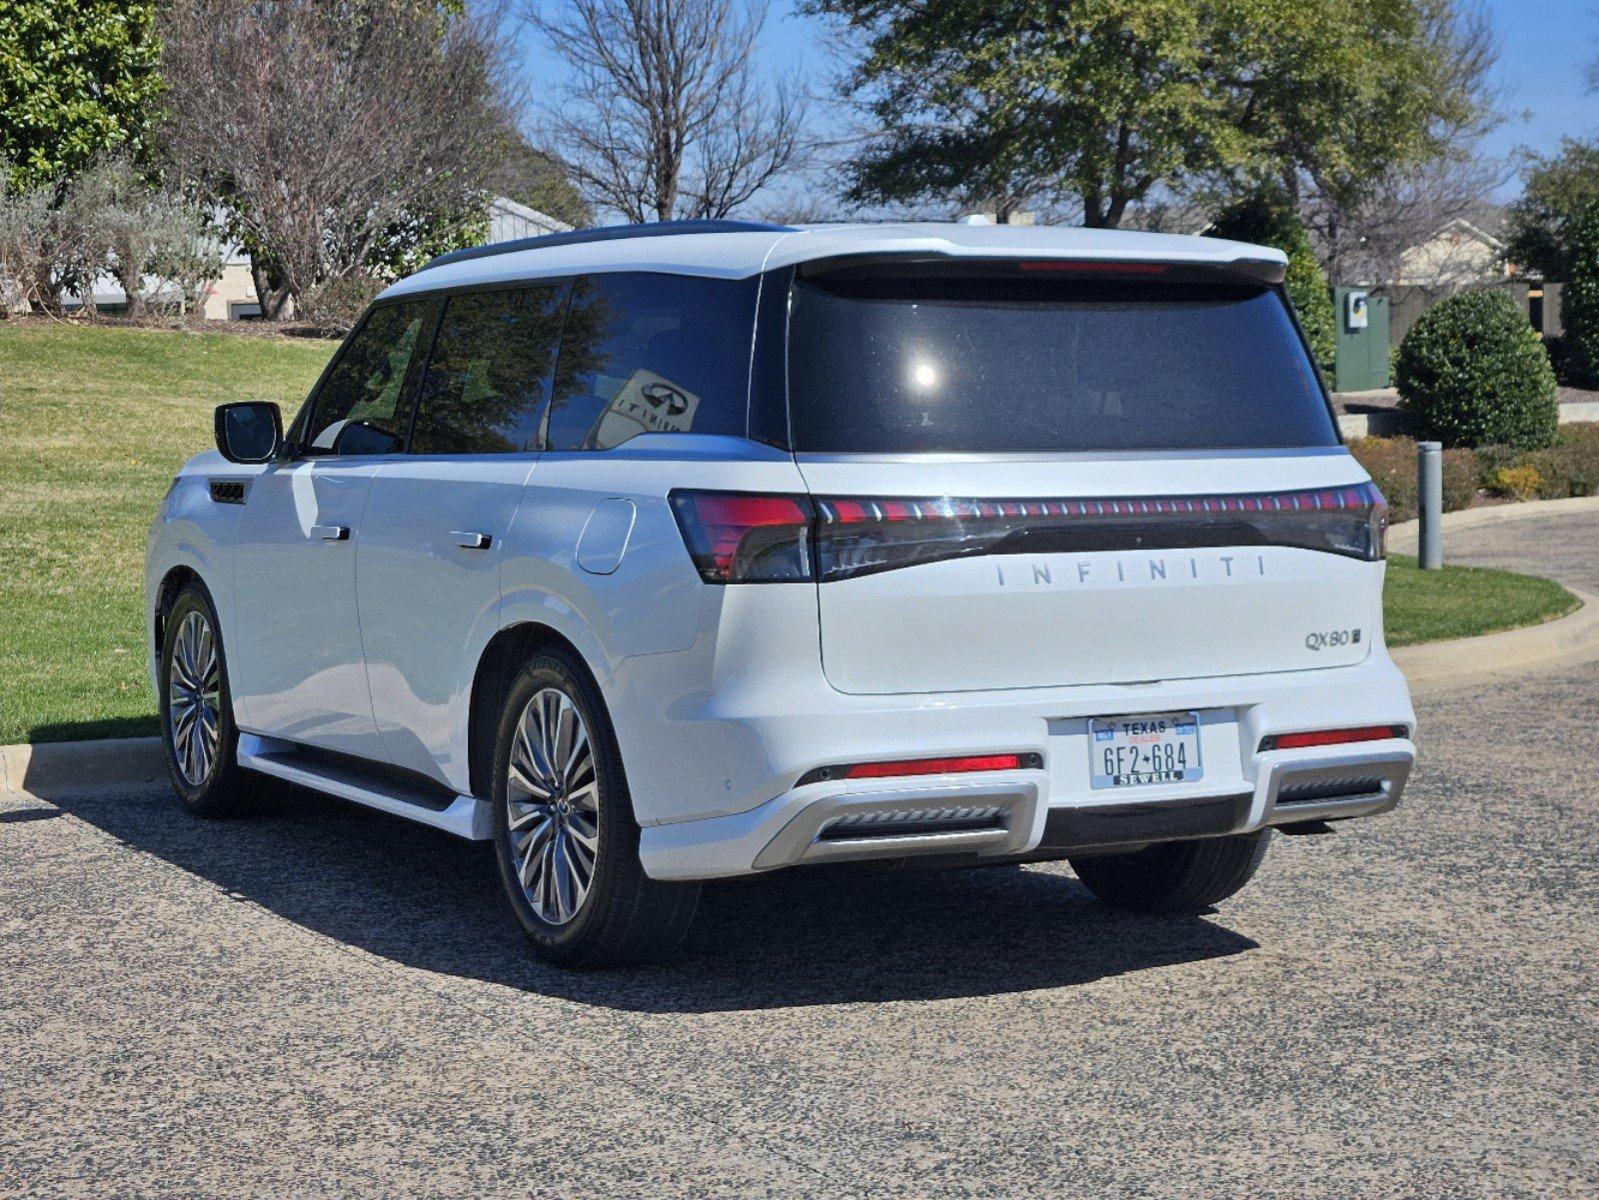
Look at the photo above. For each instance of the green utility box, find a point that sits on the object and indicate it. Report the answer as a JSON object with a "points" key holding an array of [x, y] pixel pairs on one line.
{"points": [[1362, 355]]}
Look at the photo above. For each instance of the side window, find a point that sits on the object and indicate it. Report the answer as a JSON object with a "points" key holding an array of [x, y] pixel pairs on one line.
{"points": [[362, 407], [646, 353], [484, 386]]}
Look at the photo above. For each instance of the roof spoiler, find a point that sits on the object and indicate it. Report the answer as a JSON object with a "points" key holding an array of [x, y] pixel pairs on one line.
{"points": [[1256, 270]]}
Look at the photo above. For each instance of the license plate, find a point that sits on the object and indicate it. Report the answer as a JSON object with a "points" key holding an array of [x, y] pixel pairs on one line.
{"points": [[1145, 749]]}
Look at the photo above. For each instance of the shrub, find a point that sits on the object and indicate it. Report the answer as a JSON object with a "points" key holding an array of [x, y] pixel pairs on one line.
{"points": [[1571, 466], [337, 305], [1491, 458], [1580, 301], [1472, 371], [1520, 483], [1391, 463], [1462, 478]]}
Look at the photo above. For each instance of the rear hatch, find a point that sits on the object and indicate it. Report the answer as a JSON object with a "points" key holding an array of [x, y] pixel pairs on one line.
{"points": [[1055, 473]]}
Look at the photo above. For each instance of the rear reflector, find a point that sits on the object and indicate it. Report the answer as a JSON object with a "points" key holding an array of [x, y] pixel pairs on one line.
{"points": [[935, 766], [1331, 737], [960, 765]]}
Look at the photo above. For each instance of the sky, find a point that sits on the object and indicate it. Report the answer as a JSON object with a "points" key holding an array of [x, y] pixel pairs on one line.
{"points": [[1545, 47]]}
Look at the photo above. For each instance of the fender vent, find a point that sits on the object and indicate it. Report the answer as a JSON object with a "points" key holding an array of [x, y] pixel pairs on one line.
{"points": [[229, 491]]}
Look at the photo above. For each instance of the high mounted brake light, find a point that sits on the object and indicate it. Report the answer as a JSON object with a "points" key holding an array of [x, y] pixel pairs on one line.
{"points": [[742, 538], [1096, 268]]}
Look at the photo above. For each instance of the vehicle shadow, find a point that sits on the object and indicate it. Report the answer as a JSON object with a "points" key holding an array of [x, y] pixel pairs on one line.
{"points": [[427, 900]]}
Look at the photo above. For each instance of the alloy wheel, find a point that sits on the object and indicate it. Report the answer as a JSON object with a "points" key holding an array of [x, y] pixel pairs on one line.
{"points": [[552, 806], [194, 698]]}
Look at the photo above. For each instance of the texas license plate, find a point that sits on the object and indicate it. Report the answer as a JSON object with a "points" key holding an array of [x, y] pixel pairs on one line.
{"points": [[1151, 748]]}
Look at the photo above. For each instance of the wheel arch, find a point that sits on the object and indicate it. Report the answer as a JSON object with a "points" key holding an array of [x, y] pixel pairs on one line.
{"points": [[173, 582], [497, 666]]}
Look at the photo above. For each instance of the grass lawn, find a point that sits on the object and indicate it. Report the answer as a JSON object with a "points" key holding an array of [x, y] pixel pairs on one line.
{"points": [[93, 424], [1456, 602]]}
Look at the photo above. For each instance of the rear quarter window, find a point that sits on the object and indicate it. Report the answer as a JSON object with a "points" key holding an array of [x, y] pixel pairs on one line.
{"points": [[651, 353], [880, 363]]}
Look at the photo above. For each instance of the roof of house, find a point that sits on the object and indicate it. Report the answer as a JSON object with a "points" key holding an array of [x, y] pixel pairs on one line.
{"points": [[737, 250]]}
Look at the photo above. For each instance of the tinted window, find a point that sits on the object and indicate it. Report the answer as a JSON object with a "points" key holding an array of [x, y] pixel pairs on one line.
{"points": [[485, 381], [362, 407], [645, 353], [993, 364]]}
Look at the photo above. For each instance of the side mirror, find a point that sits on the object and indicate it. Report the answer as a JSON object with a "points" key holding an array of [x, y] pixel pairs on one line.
{"points": [[250, 432]]}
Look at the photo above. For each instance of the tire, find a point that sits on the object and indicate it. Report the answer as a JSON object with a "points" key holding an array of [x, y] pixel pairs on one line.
{"points": [[564, 831], [197, 728], [1174, 877]]}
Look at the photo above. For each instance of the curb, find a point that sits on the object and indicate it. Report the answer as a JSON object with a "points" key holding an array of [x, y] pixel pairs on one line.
{"points": [[1571, 638], [83, 768], [1403, 536]]}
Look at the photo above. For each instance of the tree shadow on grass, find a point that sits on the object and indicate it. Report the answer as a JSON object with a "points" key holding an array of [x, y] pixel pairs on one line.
{"points": [[817, 936]]}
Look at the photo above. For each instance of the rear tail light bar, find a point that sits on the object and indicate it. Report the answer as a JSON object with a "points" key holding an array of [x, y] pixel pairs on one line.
{"points": [[1332, 737], [738, 537], [896, 768]]}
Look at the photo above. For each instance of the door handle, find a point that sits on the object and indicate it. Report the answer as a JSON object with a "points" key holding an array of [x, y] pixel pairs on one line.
{"points": [[469, 540], [331, 533]]}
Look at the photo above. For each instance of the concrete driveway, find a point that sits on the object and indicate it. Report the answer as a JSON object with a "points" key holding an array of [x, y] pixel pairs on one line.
{"points": [[322, 1001]]}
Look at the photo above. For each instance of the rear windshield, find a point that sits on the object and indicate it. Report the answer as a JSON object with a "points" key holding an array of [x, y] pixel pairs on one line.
{"points": [[898, 364]]}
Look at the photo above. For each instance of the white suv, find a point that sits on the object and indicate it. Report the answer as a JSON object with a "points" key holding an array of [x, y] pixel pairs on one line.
{"points": [[666, 553]]}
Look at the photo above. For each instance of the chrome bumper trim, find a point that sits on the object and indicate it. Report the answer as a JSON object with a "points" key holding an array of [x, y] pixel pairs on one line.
{"points": [[1389, 770], [814, 833]]}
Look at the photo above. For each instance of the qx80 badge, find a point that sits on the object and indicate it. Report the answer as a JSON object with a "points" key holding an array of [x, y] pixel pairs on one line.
{"points": [[1331, 639]]}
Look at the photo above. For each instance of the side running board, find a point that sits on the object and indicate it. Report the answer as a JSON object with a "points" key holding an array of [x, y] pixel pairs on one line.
{"points": [[411, 797]]}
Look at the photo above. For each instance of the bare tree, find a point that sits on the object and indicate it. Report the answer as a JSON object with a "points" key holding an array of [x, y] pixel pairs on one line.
{"points": [[668, 114], [325, 127], [1366, 241]]}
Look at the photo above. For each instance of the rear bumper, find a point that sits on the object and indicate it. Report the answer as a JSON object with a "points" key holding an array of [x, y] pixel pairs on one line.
{"points": [[1008, 815], [715, 746]]}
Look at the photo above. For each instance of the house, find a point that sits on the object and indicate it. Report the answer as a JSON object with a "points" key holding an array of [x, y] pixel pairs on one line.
{"points": [[509, 220], [1468, 249]]}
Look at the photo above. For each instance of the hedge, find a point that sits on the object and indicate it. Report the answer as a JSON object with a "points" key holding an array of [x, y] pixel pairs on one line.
{"points": [[1391, 463], [1570, 467]]}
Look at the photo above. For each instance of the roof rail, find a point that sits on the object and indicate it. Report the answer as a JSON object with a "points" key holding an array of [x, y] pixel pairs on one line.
{"points": [[611, 233]]}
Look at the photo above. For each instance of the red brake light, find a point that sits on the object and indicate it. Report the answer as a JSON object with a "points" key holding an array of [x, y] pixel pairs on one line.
{"points": [[741, 538], [1331, 737]]}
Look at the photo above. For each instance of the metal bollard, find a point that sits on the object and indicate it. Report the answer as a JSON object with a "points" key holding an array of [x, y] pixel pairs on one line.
{"points": [[1430, 502]]}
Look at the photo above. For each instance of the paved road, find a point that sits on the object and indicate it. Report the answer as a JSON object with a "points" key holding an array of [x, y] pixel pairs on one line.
{"points": [[322, 1001]]}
